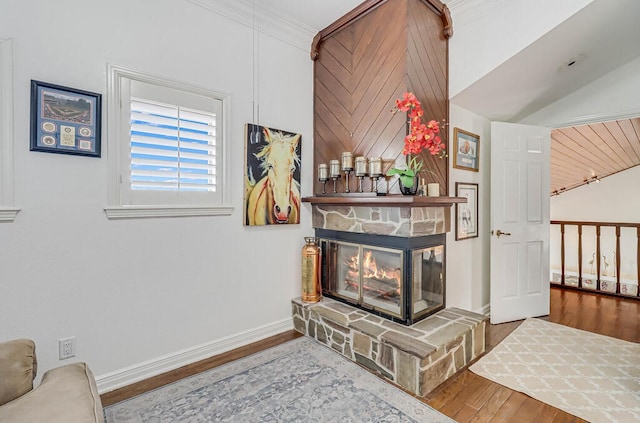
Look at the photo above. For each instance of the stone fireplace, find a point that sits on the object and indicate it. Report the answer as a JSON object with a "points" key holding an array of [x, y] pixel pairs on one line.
{"points": [[385, 255], [366, 314]]}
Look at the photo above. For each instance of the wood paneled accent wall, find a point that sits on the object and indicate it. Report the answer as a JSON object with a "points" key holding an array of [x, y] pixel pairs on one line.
{"points": [[365, 61]]}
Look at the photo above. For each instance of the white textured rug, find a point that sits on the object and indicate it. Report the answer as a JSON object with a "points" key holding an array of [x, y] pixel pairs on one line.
{"points": [[591, 376], [299, 381]]}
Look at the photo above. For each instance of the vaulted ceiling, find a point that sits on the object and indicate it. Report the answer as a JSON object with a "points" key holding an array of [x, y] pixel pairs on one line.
{"points": [[603, 36], [585, 154]]}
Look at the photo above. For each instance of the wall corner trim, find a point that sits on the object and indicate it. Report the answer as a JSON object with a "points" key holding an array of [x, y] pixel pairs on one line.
{"points": [[485, 310]]}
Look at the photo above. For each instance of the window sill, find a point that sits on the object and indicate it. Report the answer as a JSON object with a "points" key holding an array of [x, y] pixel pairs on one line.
{"points": [[140, 212], [8, 214]]}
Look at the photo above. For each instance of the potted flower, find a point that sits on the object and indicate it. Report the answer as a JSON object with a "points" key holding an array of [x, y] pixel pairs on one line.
{"points": [[421, 137]]}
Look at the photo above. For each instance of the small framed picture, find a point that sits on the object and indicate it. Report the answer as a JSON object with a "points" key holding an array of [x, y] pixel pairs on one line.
{"points": [[467, 213], [466, 147], [65, 120]]}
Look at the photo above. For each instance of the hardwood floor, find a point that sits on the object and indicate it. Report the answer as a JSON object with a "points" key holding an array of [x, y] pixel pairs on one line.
{"points": [[467, 397]]}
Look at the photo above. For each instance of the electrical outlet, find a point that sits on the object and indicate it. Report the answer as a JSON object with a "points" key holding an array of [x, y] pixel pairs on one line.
{"points": [[67, 347]]}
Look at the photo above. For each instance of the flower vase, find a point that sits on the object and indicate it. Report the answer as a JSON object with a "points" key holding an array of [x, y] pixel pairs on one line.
{"points": [[412, 190]]}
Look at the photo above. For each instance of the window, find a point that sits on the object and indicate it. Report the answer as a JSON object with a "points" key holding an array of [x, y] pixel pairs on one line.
{"points": [[172, 148], [7, 211], [168, 148]]}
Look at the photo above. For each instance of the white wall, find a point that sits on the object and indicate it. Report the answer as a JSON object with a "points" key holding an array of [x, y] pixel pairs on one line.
{"points": [[468, 260], [615, 199], [614, 95], [134, 291], [486, 35]]}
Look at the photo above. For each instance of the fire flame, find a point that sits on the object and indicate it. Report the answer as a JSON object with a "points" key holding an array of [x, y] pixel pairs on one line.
{"points": [[371, 270]]}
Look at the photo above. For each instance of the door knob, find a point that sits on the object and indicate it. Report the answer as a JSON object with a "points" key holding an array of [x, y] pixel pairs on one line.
{"points": [[499, 232]]}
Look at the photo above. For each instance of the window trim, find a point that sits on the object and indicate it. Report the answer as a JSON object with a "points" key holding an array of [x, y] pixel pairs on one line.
{"points": [[116, 209], [7, 211]]}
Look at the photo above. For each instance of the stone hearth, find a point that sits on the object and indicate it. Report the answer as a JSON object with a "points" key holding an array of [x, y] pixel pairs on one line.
{"points": [[418, 357]]}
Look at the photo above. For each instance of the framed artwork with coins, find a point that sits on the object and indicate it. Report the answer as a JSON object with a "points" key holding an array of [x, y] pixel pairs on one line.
{"points": [[65, 120]]}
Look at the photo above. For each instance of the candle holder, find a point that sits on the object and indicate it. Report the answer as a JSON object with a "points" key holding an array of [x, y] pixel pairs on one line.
{"points": [[335, 179], [374, 182], [323, 176], [334, 171], [375, 172], [361, 170], [346, 180], [347, 168]]}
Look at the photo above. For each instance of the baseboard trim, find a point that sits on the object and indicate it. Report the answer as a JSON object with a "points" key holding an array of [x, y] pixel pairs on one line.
{"points": [[145, 370], [485, 310]]}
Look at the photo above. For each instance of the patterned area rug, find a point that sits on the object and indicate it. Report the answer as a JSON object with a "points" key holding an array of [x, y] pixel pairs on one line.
{"points": [[299, 381], [591, 376]]}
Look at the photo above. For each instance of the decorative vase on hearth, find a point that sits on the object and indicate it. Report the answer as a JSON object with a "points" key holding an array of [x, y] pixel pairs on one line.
{"points": [[311, 262]]}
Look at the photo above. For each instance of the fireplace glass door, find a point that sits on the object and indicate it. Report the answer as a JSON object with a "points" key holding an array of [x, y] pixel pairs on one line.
{"points": [[369, 276], [427, 280]]}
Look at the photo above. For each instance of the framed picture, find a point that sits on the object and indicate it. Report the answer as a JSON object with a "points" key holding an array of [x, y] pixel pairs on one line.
{"points": [[272, 176], [65, 120], [467, 213], [466, 147]]}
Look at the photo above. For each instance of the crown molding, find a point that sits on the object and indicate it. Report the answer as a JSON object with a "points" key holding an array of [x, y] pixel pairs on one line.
{"points": [[595, 118], [467, 11], [287, 30]]}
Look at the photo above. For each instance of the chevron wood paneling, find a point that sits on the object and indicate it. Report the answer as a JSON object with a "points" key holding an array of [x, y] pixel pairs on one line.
{"points": [[428, 72], [361, 70]]}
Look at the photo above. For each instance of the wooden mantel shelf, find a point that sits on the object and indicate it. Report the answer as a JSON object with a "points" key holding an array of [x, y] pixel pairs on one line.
{"points": [[384, 200]]}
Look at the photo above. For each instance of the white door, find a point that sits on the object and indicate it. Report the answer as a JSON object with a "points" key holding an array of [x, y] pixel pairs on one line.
{"points": [[520, 156]]}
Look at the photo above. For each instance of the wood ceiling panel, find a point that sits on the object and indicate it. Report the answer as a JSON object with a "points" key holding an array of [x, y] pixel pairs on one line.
{"points": [[606, 138], [631, 132], [581, 153], [619, 135]]}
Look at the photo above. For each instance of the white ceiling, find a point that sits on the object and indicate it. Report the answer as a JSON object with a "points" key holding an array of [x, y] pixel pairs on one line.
{"points": [[317, 14], [605, 34], [602, 36]]}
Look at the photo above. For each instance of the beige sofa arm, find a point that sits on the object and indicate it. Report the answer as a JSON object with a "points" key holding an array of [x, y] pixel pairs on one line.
{"points": [[67, 394], [18, 367]]}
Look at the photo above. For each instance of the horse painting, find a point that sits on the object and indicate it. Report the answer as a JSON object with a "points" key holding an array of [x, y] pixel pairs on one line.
{"points": [[275, 197]]}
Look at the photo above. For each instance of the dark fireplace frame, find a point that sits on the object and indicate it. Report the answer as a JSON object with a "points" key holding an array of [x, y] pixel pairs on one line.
{"points": [[406, 244]]}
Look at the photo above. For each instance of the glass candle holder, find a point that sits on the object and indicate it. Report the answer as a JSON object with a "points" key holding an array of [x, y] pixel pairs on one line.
{"points": [[375, 166], [347, 161], [361, 170], [361, 166], [334, 168], [323, 172], [323, 175]]}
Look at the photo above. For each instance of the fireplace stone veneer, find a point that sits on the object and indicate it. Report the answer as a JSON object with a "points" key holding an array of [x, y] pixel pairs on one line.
{"points": [[396, 221], [418, 357]]}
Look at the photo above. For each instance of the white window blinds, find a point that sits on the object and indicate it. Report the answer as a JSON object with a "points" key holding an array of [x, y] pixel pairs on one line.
{"points": [[172, 148]]}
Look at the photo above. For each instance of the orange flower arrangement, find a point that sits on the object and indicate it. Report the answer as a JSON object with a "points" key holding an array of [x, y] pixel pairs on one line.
{"points": [[421, 136]]}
